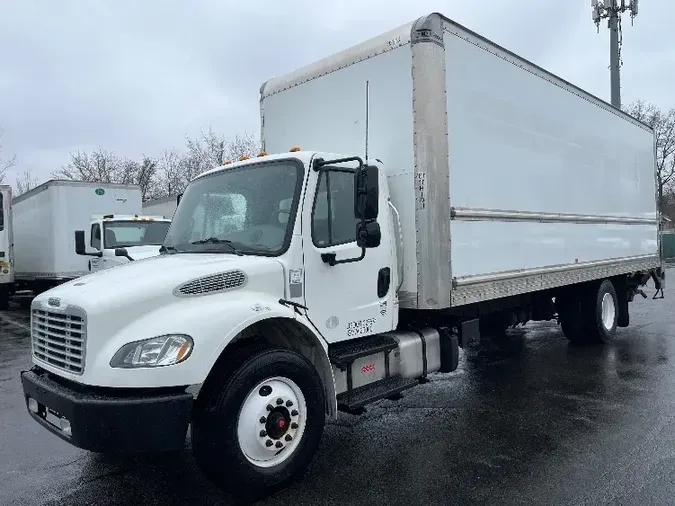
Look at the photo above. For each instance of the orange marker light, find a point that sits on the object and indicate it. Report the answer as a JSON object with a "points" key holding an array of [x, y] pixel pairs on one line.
{"points": [[294, 149], [183, 352], [243, 158], [262, 153], [227, 162]]}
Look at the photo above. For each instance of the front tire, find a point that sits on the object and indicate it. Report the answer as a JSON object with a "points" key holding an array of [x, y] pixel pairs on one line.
{"points": [[258, 420]]}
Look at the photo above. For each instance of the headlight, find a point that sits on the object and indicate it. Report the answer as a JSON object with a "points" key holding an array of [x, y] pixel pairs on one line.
{"points": [[155, 352]]}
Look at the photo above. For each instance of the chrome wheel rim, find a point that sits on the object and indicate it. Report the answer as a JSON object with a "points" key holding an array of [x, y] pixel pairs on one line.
{"points": [[272, 421], [608, 311]]}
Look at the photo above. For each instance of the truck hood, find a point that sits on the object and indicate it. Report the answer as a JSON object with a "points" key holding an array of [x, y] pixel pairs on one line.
{"points": [[147, 283], [142, 252]]}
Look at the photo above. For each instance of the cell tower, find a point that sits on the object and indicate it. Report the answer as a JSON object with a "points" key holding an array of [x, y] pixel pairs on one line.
{"points": [[612, 10]]}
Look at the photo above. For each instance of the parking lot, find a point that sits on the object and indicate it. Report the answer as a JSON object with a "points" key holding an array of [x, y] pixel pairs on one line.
{"points": [[526, 419]]}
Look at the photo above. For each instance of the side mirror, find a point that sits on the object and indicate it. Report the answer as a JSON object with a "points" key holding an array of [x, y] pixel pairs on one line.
{"points": [[368, 235], [366, 193], [122, 252], [178, 197], [81, 247]]}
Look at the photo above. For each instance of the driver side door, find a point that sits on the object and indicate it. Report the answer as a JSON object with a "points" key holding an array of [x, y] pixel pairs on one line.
{"points": [[349, 300]]}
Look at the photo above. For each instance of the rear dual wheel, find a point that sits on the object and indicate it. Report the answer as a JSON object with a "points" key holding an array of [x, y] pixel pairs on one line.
{"points": [[258, 421], [590, 314]]}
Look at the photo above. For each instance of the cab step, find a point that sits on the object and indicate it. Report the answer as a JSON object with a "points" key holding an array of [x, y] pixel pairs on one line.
{"points": [[353, 401], [344, 354]]}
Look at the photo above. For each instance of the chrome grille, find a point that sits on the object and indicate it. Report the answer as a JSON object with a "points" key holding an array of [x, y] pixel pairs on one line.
{"points": [[210, 284], [59, 339]]}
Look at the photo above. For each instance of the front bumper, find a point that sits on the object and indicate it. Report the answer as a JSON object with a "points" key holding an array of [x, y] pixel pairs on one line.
{"points": [[108, 420]]}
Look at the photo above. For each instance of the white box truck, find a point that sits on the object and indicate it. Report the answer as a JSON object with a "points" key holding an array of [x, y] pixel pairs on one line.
{"points": [[492, 193], [165, 206], [37, 236]]}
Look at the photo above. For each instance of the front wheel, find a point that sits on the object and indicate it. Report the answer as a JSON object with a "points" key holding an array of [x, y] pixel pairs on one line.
{"points": [[257, 427]]}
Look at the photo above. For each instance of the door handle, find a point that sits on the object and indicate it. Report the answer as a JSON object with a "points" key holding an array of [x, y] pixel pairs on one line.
{"points": [[383, 281]]}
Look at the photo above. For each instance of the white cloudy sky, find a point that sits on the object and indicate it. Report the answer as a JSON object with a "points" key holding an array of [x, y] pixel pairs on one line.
{"points": [[137, 76]]}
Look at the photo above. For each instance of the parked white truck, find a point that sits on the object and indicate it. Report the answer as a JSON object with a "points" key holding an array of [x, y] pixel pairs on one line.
{"points": [[36, 233], [492, 192], [116, 239]]}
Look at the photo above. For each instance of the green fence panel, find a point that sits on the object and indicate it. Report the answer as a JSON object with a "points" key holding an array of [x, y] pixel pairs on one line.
{"points": [[668, 245]]}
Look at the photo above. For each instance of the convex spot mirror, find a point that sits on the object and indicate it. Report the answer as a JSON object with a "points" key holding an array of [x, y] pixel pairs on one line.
{"points": [[368, 234]]}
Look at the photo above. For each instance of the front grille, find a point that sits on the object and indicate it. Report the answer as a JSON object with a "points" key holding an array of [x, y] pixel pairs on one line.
{"points": [[211, 284], [59, 339]]}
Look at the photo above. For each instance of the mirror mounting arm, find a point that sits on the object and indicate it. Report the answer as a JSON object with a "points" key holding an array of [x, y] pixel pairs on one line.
{"points": [[329, 258], [122, 252]]}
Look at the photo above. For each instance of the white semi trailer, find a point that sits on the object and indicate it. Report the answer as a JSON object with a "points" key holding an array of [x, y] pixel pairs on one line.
{"points": [[446, 185]]}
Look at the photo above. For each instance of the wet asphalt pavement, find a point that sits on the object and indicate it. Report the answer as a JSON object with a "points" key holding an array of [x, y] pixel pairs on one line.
{"points": [[526, 419]]}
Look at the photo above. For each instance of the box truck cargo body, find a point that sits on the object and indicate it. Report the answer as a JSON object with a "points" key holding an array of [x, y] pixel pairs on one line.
{"points": [[423, 188], [46, 217], [507, 178], [165, 206]]}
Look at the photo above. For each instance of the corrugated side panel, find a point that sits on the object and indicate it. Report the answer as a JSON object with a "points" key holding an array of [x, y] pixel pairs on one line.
{"points": [[523, 143]]}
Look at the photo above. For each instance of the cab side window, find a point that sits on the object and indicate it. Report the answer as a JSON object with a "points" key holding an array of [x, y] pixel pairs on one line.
{"points": [[96, 236], [333, 220]]}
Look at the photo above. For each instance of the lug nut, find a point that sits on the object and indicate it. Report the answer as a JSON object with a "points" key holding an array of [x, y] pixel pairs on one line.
{"points": [[294, 412], [289, 437], [268, 443], [294, 425], [263, 433], [263, 419], [289, 404], [270, 407], [279, 444], [280, 401]]}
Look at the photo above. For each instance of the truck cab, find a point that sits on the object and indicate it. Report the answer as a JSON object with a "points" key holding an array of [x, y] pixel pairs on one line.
{"points": [[117, 239]]}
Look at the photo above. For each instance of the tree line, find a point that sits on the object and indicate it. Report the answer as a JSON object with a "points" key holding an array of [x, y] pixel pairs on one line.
{"points": [[170, 172], [158, 176]]}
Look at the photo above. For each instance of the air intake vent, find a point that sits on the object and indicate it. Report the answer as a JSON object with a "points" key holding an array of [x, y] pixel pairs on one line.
{"points": [[215, 283]]}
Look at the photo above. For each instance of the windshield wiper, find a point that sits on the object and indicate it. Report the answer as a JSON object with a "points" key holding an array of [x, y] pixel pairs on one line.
{"points": [[166, 249], [215, 240]]}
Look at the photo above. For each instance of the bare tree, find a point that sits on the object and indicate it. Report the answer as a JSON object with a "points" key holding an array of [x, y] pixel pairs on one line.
{"points": [[99, 166], [143, 174], [26, 182], [205, 152], [167, 175], [106, 167], [243, 145], [668, 205], [170, 179], [5, 163], [663, 123]]}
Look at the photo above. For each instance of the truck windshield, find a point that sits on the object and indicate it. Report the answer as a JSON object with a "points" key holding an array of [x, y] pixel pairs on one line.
{"points": [[247, 209], [125, 234]]}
